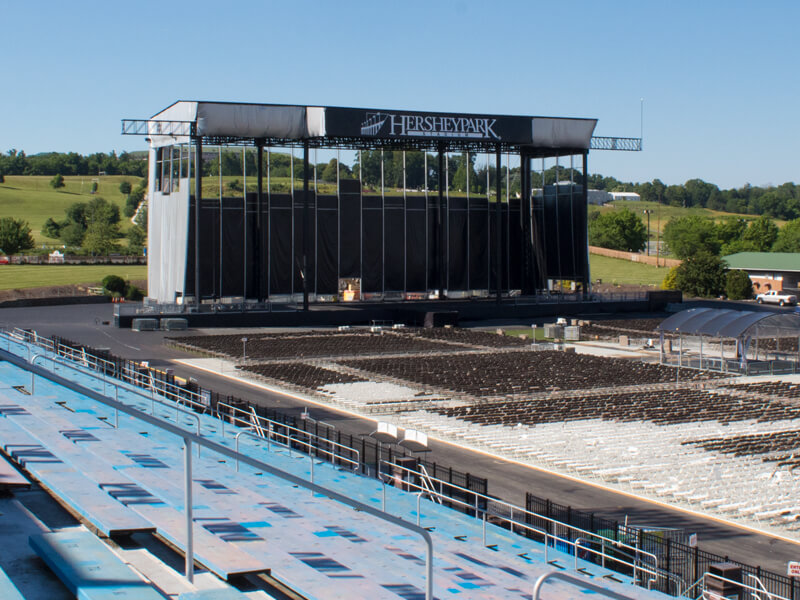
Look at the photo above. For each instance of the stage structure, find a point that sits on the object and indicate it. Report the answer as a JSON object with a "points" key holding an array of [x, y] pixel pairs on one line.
{"points": [[349, 243]]}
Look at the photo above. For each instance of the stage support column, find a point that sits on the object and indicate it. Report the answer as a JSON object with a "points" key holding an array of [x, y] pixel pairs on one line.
{"points": [[304, 274], [498, 247], [587, 276], [526, 218], [439, 243], [258, 251], [198, 198]]}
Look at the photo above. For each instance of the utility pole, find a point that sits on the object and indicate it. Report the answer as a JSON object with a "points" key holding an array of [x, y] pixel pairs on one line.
{"points": [[647, 211]]}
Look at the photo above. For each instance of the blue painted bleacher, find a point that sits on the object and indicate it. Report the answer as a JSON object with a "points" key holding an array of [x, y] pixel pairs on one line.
{"points": [[8, 591], [89, 568], [307, 542]]}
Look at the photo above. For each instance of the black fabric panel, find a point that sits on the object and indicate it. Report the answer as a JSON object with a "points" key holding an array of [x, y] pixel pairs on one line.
{"points": [[416, 245], [248, 237], [280, 247], [434, 243], [479, 237], [394, 246], [512, 223], [232, 247], [209, 249], [350, 237], [327, 245], [373, 245], [457, 244], [188, 284]]}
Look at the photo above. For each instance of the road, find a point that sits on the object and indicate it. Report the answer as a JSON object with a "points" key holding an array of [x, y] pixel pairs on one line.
{"points": [[507, 480]]}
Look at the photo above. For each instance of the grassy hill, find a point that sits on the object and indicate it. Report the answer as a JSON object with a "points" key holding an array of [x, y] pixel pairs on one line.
{"points": [[623, 272], [663, 213], [13, 277], [32, 199]]}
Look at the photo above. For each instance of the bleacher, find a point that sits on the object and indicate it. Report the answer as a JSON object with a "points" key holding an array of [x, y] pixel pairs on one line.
{"points": [[271, 511]]}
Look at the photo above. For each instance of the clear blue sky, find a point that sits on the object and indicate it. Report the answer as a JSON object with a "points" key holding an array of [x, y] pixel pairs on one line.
{"points": [[720, 79]]}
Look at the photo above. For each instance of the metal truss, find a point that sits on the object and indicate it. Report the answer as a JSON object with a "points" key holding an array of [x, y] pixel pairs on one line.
{"points": [[188, 128], [155, 127], [616, 143]]}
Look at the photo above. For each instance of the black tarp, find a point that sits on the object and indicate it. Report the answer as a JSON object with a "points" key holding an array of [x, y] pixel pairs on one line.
{"points": [[396, 236]]}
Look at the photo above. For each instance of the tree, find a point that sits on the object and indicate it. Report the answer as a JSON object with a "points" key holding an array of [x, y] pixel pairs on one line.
{"points": [[94, 188], [136, 239], [618, 230], [2, 178], [701, 275], [15, 235], [72, 233], [762, 233], [57, 181], [688, 236], [101, 238], [51, 229], [125, 187], [788, 237], [738, 285]]}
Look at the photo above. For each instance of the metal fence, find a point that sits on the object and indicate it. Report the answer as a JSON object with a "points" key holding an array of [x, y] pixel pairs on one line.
{"points": [[671, 546]]}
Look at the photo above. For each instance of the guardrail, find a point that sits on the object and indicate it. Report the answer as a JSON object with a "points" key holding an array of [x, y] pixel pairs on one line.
{"points": [[577, 542]]}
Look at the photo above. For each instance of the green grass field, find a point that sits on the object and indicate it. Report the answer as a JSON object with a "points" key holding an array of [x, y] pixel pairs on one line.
{"points": [[33, 276], [618, 271], [663, 213], [31, 199]]}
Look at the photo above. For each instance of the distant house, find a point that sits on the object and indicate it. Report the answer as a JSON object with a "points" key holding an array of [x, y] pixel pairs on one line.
{"points": [[768, 270], [625, 196]]}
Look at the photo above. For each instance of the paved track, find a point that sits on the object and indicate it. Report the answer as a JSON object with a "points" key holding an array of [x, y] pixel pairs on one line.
{"points": [[507, 480]]}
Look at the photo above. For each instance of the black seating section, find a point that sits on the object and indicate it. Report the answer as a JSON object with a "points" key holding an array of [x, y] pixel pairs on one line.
{"points": [[779, 389], [302, 374], [664, 407], [756, 443], [513, 373]]}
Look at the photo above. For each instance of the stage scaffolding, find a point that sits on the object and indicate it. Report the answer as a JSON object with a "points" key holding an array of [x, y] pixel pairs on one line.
{"points": [[349, 243]]}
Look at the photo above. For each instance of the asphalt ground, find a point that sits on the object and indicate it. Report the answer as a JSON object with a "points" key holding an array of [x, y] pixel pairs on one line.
{"points": [[88, 324]]}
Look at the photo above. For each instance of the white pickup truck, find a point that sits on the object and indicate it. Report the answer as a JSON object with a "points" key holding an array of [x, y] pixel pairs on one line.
{"points": [[776, 297]]}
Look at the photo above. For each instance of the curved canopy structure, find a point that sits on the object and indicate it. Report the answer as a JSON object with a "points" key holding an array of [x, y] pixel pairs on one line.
{"points": [[726, 323]]}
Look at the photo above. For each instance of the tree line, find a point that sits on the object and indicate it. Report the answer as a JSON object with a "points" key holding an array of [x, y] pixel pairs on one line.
{"points": [[16, 162], [779, 202]]}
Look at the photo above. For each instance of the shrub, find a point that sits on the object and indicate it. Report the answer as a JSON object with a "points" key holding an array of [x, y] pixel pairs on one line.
{"points": [[738, 285], [114, 284], [670, 282], [133, 293]]}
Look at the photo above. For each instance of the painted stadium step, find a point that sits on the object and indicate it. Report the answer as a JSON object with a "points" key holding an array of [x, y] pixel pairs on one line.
{"points": [[116, 504], [220, 594], [89, 568], [70, 485], [8, 591], [10, 478]]}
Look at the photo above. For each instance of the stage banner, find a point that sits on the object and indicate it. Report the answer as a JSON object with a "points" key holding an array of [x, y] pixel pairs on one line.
{"points": [[388, 125]]}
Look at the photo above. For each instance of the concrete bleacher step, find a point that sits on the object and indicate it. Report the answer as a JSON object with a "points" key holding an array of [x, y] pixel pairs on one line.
{"points": [[220, 594], [8, 591], [10, 478], [81, 494], [89, 568]]}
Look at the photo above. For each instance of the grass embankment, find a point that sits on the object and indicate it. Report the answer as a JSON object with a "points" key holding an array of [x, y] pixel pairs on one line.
{"points": [[30, 198], [618, 271], [34, 276]]}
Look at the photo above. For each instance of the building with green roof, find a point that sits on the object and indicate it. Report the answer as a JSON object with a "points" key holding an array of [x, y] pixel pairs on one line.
{"points": [[768, 270]]}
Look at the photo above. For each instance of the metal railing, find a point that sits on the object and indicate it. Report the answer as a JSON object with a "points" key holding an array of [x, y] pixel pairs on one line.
{"points": [[274, 431], [607, 545], [757, 590]]}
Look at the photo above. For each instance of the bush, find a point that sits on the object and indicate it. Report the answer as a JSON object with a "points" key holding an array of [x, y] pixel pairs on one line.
{"points": [[702, 275], [114, 284], [133, 293], [57, 181], [670, 281], [738, 285]]}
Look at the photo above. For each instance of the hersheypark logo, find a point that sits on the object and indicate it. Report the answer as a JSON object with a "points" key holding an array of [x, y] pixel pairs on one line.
{"points": [[428, 126]]}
